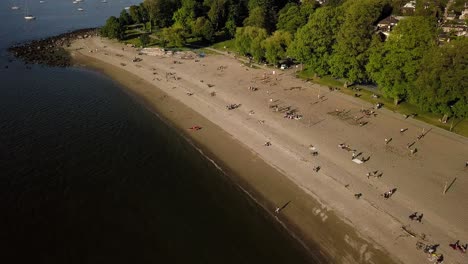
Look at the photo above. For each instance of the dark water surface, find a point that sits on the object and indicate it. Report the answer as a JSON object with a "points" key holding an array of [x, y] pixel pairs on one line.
{"points": [[87, 175]]}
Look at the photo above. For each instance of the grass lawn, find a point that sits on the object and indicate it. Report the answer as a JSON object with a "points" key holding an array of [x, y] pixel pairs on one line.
{"points": [[229, 44]]}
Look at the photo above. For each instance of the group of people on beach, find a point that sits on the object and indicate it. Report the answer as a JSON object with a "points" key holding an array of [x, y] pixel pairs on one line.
{"points": [[389, 193], [457, 246], [415, 217]]}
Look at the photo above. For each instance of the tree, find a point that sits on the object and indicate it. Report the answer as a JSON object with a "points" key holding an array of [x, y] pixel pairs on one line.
{"points": [[172, 37], [112, 29], [237, 13], [125, 18], [262, 13], [160, 12], [250, 40], [313, 43], [186, 15], [276, 45], [350, 54], [135, 14], [257, 18], [290, 18], [217, 13], [395, 64], [202, 27], [442, 82]]}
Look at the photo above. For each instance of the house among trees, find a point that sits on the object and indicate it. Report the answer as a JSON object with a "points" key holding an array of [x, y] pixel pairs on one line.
{"points": [[409, 8], [451, 16], [456, 29], [386, 25], [464, 14]]}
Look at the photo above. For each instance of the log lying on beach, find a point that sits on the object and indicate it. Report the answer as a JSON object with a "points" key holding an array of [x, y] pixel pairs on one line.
{"points": [[50, 51]]}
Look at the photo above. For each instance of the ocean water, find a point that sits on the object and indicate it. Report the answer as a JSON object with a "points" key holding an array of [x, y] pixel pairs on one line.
{"points": [[88, 175]]}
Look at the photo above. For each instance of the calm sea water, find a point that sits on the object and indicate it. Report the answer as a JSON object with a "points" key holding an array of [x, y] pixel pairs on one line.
{"points": [[87, 175]]}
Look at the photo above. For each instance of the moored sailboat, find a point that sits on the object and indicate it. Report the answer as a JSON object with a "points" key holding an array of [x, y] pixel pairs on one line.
{"points": [[27, 15]]}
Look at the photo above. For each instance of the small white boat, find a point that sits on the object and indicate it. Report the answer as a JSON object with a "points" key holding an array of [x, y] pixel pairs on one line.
{"points": [[75, 2], [41, 2], [127, 8], [80, 9], [28, 16], [15, 7], [104, 1]]}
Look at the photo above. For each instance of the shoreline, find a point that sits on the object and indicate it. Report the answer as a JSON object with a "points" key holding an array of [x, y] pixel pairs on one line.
{"points": [[323, 211], [234, 171]]}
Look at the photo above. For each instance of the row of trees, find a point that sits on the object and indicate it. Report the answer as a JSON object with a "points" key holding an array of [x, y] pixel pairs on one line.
{"points": [[341, 40], [338, 39]]}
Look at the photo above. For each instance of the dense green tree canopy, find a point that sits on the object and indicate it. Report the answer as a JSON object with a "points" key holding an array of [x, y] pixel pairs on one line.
{"points": [[112, 29], [291, 18], [125, 18], [353, 39], [249, 40], [313, 44], [276, 45], [160, 12], [395, 64], [442, 82]]}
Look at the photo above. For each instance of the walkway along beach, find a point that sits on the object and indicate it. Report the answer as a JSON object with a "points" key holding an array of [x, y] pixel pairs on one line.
{"points": [[351, 177]]}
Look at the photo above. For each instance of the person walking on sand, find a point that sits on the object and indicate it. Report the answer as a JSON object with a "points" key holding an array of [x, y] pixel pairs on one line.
{"points": [[419, 218]]}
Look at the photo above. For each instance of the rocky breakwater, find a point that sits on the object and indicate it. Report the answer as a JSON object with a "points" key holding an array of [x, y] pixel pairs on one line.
{"points": [[51, 51]]}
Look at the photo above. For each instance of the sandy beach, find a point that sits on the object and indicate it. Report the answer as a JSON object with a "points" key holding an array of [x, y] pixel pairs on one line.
{"points": [[323, 210]]}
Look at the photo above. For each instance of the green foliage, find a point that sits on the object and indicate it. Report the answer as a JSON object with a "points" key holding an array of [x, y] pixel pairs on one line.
{"points": [[262, 13], [257, 18], [313, 42], [350, 54], [135, 14], [442, 83], [172, 37], [276, 45], [202, 27], [186, 15], [112, 29], [125, 19], [250, 40], [217, 13], [160, 12], [395, 64], [291, 18]]}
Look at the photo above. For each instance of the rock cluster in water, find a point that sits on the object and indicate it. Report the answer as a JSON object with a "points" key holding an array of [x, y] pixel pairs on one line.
{"points": [[51, 51]]}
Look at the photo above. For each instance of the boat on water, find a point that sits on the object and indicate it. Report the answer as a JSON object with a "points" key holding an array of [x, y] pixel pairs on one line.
{"points": [[104, 1], [28, 16], [15, 7], [127, 8], [80, 9], [41, 2]]}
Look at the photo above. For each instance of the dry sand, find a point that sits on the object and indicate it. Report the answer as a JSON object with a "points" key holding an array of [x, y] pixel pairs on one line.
{"points": [[323, 208]]}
